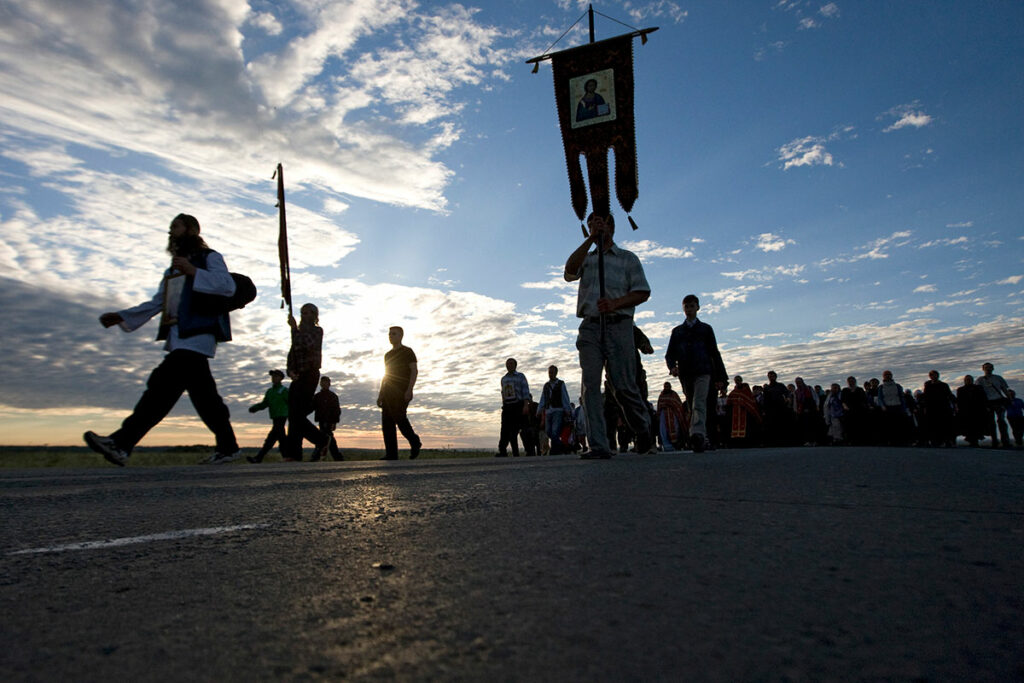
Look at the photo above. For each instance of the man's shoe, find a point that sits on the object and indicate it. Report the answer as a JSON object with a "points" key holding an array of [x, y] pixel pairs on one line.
{"points": [[596, 455], [414, 451], [223, 458], [645, 445], [698, 443], [253, 459], [387, 458], [106, 447], [501, 455]]}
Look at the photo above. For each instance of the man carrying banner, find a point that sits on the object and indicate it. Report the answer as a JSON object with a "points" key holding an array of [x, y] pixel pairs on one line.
{"points": [[605, 340]]}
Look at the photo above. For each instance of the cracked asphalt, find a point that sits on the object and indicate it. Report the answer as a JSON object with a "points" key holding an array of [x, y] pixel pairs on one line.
{"points": [[770, 565]]}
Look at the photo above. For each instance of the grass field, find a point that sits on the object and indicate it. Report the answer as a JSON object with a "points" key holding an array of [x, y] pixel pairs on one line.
{"points": [[172, 456]]}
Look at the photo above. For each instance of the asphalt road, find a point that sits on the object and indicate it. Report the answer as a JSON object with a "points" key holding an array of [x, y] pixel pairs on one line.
{"points": [[768, 565]]}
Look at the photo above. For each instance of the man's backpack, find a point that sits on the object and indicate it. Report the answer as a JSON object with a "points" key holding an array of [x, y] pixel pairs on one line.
{"points": [[212, 304]]}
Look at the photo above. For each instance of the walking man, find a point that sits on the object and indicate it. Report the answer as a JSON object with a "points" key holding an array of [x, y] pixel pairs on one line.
{"points": [[327, 413], [400, 372], [554, 410], [276, 400], [692, 356], [304, 359], [190, 335], [515, 397], [605, 340], [998, 394]]}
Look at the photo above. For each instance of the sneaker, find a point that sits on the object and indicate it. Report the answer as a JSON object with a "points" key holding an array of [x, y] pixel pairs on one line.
{"points": [[698, 443], [414, 451], [253, 459], [223, 458], [106, 447]]}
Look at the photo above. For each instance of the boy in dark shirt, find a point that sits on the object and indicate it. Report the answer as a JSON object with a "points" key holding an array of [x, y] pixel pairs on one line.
{"points": [[400, 372], [693, 357]]}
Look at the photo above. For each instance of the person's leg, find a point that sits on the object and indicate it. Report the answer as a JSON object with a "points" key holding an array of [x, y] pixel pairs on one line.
{"points": [[588, 344], [553, 428], [300, 404], [387, 426], [506, 429], [1000, 413], [621, 358], [163, 389], [202, 390], [405, 427]]}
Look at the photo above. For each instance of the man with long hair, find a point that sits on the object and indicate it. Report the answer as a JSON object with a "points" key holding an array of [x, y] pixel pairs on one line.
{"points": [[190, 335]]}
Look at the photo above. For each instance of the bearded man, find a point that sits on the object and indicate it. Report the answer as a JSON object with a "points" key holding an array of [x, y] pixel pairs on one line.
{"points": [[190, 336]]}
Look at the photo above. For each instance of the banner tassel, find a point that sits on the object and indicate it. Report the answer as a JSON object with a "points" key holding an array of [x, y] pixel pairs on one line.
{"points": [[631, 221]]}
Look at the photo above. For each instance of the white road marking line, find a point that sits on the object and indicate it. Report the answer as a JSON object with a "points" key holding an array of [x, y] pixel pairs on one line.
{"points": [[129, 540]]}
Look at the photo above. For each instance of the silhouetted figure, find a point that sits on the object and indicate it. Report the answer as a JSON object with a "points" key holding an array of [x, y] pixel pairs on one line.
{"points": [[670, 419], [400, 373], [778, 415], [855, 412], [515, 394], [692, 355], [972, 411], [327, 413], [997, 396], [937, 406], [191, 335], [275, 400], [554, 410], [304, 359], [605, 340], [1015, 416], [744, 415]]}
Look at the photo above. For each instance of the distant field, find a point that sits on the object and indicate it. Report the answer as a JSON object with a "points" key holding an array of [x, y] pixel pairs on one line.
{"points": [[156, 456]]}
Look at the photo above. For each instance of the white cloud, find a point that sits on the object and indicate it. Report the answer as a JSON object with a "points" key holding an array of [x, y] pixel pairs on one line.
{"points": [[184, 91], [724, 298], [642, 11], [944, 242], [922, 289], [907, 115], [831, 10], [964, 224], [267, 22], [807, 151], [768, 242], [1012, 280], [647, 250], [766, 274], [873, 250]]}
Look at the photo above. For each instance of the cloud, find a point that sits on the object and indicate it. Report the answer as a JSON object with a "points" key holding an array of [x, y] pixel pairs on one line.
{"points": [[1012, 280], [647, 250], [922, 289], [831, 10], [910, 348], [766, 274], [768, 242], [907, 115], [351, 104], [964, 224], [642, 11], [724, 298], [944, 242], [807, 151], [873, 250], [267, 22]]}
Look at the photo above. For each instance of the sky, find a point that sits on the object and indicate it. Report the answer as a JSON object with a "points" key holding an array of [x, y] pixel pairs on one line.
{"points": [[840, 183]]}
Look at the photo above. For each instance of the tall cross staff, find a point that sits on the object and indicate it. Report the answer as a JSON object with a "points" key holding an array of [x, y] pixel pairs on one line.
{"points": [[282, 243]]}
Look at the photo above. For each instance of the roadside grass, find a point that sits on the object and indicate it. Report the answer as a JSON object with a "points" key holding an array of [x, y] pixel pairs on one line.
{"points": [[22, 457]]}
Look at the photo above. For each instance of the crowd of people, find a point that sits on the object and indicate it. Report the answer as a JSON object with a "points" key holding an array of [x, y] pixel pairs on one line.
{"points": [[614, 414]]}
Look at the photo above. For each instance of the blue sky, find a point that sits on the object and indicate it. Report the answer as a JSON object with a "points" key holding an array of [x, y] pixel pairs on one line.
{"points": [[839, 182]]}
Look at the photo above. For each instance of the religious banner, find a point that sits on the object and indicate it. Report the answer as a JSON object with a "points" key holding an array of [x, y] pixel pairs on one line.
{"points": [[594, 98], [282, 242]]}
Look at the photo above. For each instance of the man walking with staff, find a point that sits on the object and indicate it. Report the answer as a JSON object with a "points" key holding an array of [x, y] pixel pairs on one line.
{"points": [[605, 304]]}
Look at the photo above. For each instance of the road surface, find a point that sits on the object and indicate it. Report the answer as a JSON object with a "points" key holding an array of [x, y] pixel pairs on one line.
{"points": [[786, 564]]}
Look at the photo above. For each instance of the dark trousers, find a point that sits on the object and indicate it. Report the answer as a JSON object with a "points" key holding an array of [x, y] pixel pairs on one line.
{"points": [[277, 435], [392, 415], [327, 429], [997, 420], [300, 405], [180, 371], [511, 423]]}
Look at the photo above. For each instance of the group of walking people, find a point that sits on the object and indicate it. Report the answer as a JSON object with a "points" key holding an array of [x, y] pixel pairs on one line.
{"points": [[192, 327], [614, 409]]}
